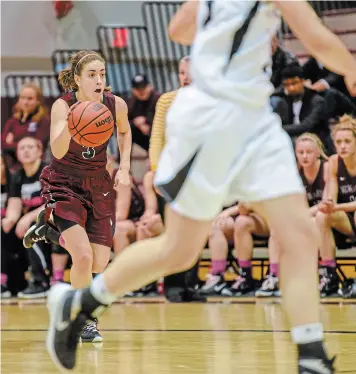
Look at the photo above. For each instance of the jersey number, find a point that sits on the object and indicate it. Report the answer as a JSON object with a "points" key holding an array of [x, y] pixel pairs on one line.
{"points": [[89, 153]]}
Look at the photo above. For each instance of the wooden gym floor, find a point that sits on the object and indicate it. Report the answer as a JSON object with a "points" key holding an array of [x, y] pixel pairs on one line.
{"points": [[151, 336]]}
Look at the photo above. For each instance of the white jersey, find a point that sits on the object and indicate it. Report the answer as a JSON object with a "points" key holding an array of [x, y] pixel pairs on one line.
{"points": [[231, 53]]}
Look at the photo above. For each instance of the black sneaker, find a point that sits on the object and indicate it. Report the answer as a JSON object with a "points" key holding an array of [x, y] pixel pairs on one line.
{"points": [[348, 289], [269, 287], [90, 333], [40, 231], [213, 285], [329, 282], [34, 290], [5, 293], [313, 365], [66, 324]]}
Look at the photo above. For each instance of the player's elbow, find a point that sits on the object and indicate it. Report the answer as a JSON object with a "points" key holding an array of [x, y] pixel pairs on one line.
{"points": [[58, 152]]}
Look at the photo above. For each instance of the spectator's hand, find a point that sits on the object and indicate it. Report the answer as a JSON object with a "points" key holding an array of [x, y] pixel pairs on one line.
{"points": [[308, 84], [350, 81], [23, 225], [326, 206], [220, 221], [10, 138], [145, 129], [313, 210], [139, 121], [244, 210], [319, 86], [7, 224]]}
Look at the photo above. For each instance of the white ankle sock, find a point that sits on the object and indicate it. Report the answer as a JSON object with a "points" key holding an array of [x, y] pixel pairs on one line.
{"points": [[99, 291], [304, 334]]}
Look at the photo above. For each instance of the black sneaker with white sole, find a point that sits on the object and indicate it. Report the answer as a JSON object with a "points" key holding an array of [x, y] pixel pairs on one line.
{"points": [[34, 290], [40, 231], [69, 310], [90, 333], [314, 365]]}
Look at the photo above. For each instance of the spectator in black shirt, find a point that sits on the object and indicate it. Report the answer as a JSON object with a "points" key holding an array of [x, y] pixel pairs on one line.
{"points": [[24, 203], [141, 110], [304, 105], [280, 60]]}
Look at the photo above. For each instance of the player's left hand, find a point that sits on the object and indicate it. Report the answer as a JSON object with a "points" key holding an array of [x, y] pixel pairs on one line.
{"points": [[22, 226]]}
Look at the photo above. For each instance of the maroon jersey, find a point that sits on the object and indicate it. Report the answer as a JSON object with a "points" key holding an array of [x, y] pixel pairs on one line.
{"points": [[78, 157], [347, 183], [315, 189]]}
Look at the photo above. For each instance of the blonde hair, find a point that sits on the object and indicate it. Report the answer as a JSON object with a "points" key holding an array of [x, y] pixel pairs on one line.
{"points": [[77, 63], [346, 122], [42, 110], [316, 140]]}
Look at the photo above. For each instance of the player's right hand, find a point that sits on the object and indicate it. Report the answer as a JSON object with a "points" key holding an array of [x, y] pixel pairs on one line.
{"points": [[72, 108]]}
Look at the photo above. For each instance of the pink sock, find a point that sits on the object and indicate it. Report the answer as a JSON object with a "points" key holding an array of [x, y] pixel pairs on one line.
{"points": [[273, 269], [244, 264], [330, 263], [58, 275], [62, 243], [218, 266], [3, 279]]}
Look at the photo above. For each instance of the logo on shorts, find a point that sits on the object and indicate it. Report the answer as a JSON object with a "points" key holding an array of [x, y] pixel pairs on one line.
{"points": [[104, 121], [89, 153]]}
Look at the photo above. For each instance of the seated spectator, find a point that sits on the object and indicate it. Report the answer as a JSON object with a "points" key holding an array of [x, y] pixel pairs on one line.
{"points": [[13, 261], [247, 226], [313, 169], [141, 222], [221, 234], [141, 110], [281, 58], [337, 209], [29, 119], [25, 202], [304, 105], [320, 79]]}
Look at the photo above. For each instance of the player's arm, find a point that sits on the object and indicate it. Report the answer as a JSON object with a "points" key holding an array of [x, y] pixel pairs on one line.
{"points": [[325, 46], [124, 138], [182, 26], [151, 205], [60, 135]]}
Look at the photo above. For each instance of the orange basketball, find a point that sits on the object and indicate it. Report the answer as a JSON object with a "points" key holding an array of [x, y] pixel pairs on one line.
{"points": [[90, 124]]}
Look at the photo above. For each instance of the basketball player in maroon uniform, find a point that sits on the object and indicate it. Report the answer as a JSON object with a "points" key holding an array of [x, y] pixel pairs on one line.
{"points": [[313, 168], [337, 210], [77, 188]]}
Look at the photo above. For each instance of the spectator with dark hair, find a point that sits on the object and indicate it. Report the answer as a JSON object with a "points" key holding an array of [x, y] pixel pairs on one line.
{"points": [[304, 105], [25, 202], [281, 58], [141, 110], [30, 118]]}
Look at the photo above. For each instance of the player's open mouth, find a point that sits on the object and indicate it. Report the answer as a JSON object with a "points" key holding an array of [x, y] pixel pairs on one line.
{"points": [[98, 90]]}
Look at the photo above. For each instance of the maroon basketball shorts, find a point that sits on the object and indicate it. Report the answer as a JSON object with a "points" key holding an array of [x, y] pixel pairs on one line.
{"points": [[86, 198]]}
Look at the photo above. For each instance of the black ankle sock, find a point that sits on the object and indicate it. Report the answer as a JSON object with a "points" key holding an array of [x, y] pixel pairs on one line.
{"points": [[246, 272], [90, 305], [315, 349]]}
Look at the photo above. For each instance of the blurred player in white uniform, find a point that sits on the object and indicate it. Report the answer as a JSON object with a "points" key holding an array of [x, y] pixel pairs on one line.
{"points": [[223, 144]]}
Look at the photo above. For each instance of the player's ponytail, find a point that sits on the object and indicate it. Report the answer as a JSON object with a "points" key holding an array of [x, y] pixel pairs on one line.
{"points": [[66, 80]]}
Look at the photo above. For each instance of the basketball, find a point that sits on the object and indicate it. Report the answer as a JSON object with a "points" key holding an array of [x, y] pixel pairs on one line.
{"points": [[90, 124]]}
